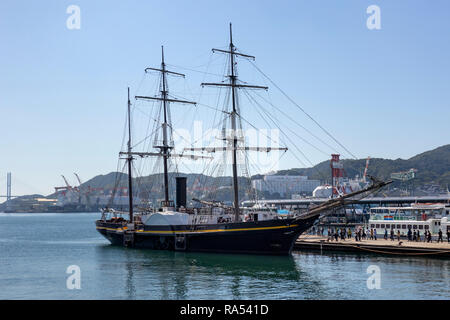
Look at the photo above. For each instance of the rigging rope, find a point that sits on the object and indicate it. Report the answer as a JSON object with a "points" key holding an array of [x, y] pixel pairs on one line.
{"points": [[303, 110]]}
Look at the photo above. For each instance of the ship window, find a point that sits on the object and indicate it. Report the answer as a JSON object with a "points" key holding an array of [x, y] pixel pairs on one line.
{"points": [[403, 226], [409, 226], [372, 226], [377, 226], [382, 226], [420, 227], [427, 227], [414, 226]]}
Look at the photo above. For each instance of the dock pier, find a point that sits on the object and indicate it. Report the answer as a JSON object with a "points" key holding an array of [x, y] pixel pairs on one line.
{"points": [[380, 246]]}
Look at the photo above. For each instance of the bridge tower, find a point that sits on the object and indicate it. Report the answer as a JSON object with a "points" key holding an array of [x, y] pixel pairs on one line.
{"points": [[8, 190]]}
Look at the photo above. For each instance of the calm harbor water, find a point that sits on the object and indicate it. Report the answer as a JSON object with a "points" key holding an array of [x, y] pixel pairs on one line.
{"points": [[36, 249]]}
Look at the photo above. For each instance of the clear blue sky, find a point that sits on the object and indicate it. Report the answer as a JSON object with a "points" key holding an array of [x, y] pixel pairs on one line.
{"points": [[383, 93]]}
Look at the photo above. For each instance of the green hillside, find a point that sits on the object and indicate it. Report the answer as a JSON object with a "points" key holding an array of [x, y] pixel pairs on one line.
{"points": [[433, 167]]}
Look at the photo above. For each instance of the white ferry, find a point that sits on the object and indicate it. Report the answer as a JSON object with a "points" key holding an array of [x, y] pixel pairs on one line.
{"points": [[417, 217]]}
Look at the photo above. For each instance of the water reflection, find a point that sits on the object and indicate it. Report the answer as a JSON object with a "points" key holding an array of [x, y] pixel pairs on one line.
{"points": [[109, 272], [175, 274], [148, 274]]}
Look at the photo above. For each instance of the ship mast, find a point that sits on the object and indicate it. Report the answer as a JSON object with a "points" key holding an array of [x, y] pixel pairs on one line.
{"points": [[165, 148], [233, 128], [233, 84], [129, 160]]}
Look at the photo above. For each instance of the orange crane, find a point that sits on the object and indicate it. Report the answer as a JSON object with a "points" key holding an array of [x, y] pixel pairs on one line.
{"points": [[86, 194], [69, 187]]}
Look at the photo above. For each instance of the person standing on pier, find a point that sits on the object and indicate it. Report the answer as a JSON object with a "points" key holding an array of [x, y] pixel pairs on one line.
{"points": [[448, 235], [440, 236], [392, 234], [409, 234], [349, 233], [429, 237], [385, 234], [418, 235], [398, 235], [415, 236], [375, 234]]}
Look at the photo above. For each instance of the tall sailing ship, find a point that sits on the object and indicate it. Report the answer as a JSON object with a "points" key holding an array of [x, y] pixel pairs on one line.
{"points": [[214, 227]]}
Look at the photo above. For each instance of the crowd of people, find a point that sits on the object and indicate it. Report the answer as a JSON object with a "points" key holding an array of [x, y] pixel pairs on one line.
{"points": [[336, 234]]}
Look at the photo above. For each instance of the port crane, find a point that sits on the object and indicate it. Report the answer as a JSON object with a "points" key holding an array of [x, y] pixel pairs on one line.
{"points": [[69, 187], [86, 194]]}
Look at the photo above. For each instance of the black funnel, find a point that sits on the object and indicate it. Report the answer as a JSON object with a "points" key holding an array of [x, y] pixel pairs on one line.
{"points": [[181, 192]]}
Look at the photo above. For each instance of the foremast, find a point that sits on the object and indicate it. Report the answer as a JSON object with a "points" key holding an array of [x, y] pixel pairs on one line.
{"points": [[165, 149]]}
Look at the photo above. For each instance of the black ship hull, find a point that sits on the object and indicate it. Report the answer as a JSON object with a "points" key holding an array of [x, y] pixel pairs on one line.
{"points": [[271, 237]]}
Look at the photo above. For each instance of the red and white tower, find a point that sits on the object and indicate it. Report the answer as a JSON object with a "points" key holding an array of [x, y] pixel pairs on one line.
{"points": [[337, 174]]}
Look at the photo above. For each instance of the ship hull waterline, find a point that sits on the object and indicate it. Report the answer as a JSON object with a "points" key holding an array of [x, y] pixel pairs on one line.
{"points": [[271, 237]]}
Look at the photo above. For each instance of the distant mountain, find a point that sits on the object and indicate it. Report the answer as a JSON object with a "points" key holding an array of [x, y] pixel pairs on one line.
{"points": [[433, 167], [150, 187]]}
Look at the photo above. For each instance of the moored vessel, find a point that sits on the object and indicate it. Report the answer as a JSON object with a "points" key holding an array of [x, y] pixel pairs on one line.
{"points": [[214, 227]]}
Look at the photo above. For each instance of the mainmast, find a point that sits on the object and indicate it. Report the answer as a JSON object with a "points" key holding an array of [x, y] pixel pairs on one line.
{"points": [[233, 128], [233, 84]]}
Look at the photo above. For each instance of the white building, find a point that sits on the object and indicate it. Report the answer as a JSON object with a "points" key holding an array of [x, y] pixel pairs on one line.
{"points": [[285, 184]]}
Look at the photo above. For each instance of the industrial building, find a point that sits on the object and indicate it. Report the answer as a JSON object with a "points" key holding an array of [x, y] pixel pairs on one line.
{"points": [[285, 185]]}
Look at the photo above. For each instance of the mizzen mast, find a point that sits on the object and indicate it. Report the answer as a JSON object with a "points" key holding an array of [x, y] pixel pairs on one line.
{"points": [[130, 160]]}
